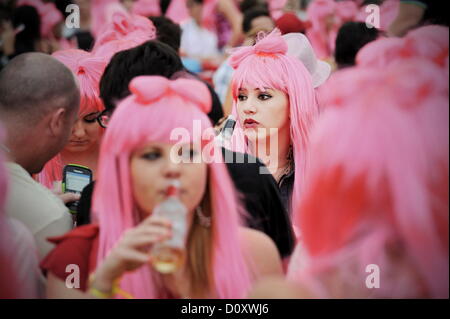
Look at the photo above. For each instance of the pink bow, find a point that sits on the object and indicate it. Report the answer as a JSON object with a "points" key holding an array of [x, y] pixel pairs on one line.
{"points": [[270, 45], [148, 89]]}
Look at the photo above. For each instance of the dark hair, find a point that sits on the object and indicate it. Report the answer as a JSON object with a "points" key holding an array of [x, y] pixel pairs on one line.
{"points": [[150, 58], [252, 4], [26, 39], [167, 31], [252, 14], [352, 36], [164, 5]]}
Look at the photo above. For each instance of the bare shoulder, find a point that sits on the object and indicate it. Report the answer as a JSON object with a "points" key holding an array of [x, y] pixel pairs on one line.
{"points": [[264, 256]]}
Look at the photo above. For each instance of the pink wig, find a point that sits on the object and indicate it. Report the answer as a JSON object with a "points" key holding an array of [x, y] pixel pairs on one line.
{"points": [[326, 17], [177, 11], [266, 64], [377, 184], [88, 69], [146, 8], [49, 14], [126, 27], [429, 42], [156, 107], [102, 12]]}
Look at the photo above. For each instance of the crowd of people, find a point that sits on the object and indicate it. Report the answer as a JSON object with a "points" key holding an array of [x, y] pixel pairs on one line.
{"points": [[308, 141]]}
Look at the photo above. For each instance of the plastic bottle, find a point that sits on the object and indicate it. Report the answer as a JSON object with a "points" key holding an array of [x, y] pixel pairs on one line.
{"points": [[169, 255]]}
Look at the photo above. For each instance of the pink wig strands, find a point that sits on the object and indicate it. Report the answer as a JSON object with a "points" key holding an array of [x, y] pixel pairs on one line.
{"points": [[146, 8], [88, 69], [326, 17], [156, 107], [378, 194], [429, 42], [266, 65], [126, 27]]}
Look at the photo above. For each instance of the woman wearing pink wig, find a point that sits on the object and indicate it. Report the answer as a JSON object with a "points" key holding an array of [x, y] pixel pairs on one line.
{"points": [[84, 143], [276, 106], [135, 168], [374, 215]]}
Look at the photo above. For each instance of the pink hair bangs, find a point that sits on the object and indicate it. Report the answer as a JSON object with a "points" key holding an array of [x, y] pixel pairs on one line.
{"points": [[88, 70], [134, 124], [266, 65]]}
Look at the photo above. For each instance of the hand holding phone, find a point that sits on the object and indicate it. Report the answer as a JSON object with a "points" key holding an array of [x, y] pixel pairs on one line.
{"points": [[75, 179]]}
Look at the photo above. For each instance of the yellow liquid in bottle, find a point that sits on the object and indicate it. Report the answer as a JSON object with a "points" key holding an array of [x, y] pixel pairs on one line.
{"points": [[167, 260]]}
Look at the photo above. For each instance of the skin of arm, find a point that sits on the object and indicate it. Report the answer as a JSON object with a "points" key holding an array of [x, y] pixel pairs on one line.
{"points": [[56, 288], [264, 258], [409, 15]]}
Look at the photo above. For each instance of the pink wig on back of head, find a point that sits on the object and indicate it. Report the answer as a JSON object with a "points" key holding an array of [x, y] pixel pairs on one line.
{"points": [[126, 26], [156, 107], [429, 42], [88, 70], [376, 191], [267, 65]]}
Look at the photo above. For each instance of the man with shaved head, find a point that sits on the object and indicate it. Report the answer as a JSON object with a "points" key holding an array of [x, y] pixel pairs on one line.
{"points": [[39, 101]]}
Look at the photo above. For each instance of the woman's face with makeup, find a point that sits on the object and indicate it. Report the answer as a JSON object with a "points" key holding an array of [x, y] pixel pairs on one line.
{"points": [[155, 165], [86, 133], [262, 112]]}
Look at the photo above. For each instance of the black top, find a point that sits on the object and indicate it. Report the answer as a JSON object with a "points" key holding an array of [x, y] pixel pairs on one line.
{"points": [[261, 198]]}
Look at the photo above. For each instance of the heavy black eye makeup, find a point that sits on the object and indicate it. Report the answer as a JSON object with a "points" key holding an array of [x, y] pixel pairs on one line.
{"points": [[91, 117]]}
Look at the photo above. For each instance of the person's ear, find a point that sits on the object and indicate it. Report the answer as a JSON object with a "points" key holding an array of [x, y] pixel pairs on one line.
{"points": [[57, 121]]}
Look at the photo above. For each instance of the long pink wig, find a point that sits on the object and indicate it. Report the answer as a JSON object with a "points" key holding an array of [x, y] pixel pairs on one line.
{"points": [[377, 184], [266, 64], [88, 69], [156, 107]]}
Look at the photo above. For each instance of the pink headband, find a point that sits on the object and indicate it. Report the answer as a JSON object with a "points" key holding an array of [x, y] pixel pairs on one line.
{"points": [[148, 89]]}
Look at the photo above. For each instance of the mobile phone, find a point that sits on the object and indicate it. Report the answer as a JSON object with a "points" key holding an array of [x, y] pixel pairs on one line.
{"points": [[228, 128], [75, 179]]}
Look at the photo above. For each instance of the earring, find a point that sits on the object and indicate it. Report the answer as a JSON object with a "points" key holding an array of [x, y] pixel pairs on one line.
{"points": [[204, 221]]}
